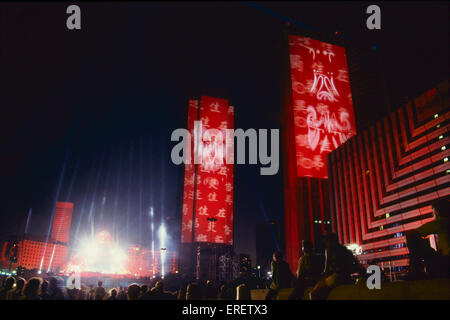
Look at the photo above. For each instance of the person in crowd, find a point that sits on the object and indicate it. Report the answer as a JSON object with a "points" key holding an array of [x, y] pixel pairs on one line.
{"points": [[147, 294], [424, 261], [281, 276], [44, 294], [243, 292], [100, 292], [8, 285], [158, 292], [133, 291], [90, 292], [54, 291], [339, 265], [225, 292], [144, 289], [31, 290], [16, 293], [122, 294], [112, 295], [308, 273], [82, 295], [181, 294], [194, 292], [210, 291]]}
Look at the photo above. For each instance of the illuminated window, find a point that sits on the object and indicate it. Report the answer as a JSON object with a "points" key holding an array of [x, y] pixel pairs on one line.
{"points": [[438, 126], [381, 228], [436, 115], [387, 215], [443, 148], [441, 137], [445, 159]]}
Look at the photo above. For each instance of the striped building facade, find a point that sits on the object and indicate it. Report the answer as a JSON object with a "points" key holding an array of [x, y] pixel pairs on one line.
{"points": [[383, 180]]}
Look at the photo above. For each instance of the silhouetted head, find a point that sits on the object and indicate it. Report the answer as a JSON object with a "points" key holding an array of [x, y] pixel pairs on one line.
{"points": [[52, 283], [9, 282], [20, 283], [331, 240], [32, 287], [193, 292], [133, 291], [277, 256], [44, 286], [307, 246], [440, 208], [100, 283], [113, 293], [144, 288], [159, 286]]}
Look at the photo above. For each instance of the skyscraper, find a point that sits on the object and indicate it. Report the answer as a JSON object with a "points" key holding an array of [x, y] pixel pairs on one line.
{"points": [[384, 179], [207, 214], [318, 117], [62, 221]]}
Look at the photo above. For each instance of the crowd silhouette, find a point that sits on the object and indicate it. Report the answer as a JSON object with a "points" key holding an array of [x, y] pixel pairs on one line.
{"points": [[318, 273]]}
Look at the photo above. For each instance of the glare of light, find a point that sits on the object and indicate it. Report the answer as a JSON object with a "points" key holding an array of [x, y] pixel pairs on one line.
{"points": [[162, 234], [443, 148], [441, 137], [259, 267], [355, 248], [39, 272], [98, 255], [436, 115], [445, 159]]}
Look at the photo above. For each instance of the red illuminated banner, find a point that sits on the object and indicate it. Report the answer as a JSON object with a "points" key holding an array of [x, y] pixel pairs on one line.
{"points": [[321, 101], [208, 186]]}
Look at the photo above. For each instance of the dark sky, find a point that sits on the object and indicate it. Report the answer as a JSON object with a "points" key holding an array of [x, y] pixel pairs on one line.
{"points": [[101, 103]]}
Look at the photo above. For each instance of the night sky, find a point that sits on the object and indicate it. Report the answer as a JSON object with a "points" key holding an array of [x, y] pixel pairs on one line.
{"points": [[92, 111]]}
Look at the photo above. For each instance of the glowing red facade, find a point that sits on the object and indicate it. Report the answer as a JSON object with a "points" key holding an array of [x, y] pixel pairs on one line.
{"points": [[208, 185], [384, 180], [318, 118], [41, 253], [62, 221], [321, 102]]}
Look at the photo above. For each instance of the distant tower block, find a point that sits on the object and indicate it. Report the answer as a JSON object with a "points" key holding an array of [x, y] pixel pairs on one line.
{"points": [[62, 221]]}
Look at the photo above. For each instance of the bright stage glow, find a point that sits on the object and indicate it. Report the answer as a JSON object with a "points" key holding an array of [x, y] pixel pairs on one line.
{"points": [[355, 248], [100, 254]]}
